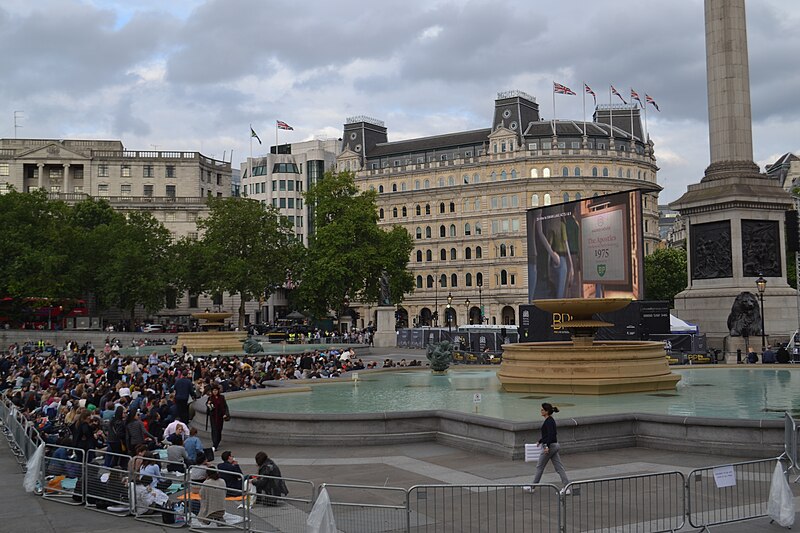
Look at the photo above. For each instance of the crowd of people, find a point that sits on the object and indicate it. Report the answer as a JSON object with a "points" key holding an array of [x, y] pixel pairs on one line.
{"points": [[97, 400]]}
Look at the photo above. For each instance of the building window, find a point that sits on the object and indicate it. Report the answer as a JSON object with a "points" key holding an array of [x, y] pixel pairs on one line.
{"points": [[605, 172], [419, 232], [394, 187], [416, 185], [125, 171], [468, 279], [443, 254], [494, 202], [454, 280], [170, 191], [547, 199], [170, 171], [452, 207], [102, 171], [418, 210], [577, 171], [428, 255], [419, 282], [427, 209], [566, 197], [479, 279], [102, 189], [55, 189], [467, 253], [565, 172], [380, 188], [419, 256], [476, 178], [594, 172], [429, 282], [442, 231], [503, 277], [467, 229], [5, 169], [546, 172], [478, 252], [125, 189], [452, 230], [290, 203], [380, 213], [147, 171], [443, 280], [441, 207], [452, 254], [478, 228], [477, 206], [535, 200], [428, 232], [56, 173]]}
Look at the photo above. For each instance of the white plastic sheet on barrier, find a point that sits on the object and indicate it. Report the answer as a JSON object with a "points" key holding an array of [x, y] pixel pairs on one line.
{"points": [[34, 468], [781, 501], [320, 519]]}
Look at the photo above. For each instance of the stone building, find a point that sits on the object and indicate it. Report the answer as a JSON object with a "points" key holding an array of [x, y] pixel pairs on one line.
{"points": [[463, 196]]}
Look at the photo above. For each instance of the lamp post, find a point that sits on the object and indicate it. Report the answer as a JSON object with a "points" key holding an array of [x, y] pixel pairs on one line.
{"points": [[345, 305], [761, 283], [480, 298], [467, 302], [449, 312], [436, 302]]}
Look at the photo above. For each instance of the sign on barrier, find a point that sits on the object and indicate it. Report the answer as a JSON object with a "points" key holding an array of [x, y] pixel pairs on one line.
{"points": [[273, 509]]}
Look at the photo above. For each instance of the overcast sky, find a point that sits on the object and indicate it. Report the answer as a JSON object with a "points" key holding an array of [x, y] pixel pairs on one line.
{"points": [[193, 74]]}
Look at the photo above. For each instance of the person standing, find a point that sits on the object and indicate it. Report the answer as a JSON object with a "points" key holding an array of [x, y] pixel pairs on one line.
{"points": [[550, 448], [184, 389], [217, 413]]}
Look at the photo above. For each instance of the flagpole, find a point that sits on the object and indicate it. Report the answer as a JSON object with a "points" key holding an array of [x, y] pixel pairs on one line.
{"points": [[646, 133], [584, 109], [610, 114], [250, 159], [632, 125], [554, 109], [276, 136]]}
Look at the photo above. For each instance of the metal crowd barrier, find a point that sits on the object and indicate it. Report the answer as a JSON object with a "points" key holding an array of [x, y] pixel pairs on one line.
{"points": [[648, 503], [107, 486], [269, 511], [169, 481], [790, 441], [235, 506], [729, 493], [359, 508], [62, 475], [482, 508]]}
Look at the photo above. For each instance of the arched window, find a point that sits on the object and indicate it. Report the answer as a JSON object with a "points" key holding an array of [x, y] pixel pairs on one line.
{"points": [[478, 228], [419, 256], [416, 185], [427, 184], [479, 279], [515, 201], [513, 174], [454, 280], [547, 198], [605, 172], [565, 172], [419, 232], [577, 171], [429, 282], [478, 252], [545, 172], [405, 211], [477, 204], [502, 250], [619, 172], [451, 181], [511, 250], [566, 197], [428, 256], [503, 277], [443, 254], [467, 229], [403, 186], [427, 232], [503, 175], [443, 280], [468, 279], [418, 210], [467, 253], [628, 173], [380, 213], [476, 178], [452, 207], [427, 209], [452, 230], [441, 181], [441, 207], [394, 187], [442, 231], [452, 254], [594, 172], [419, 282], [504, 201], [394, 212], [535, 200], [493, 176], [380, 188], [577, 196], [534, 172]]}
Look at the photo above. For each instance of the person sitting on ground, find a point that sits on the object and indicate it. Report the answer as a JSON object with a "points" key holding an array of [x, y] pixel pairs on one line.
{"points": [[151, 468], [212, 498], [752, 357], [174, 428], [231, 473], [176, 455], [272, 484], [194, 447], [768, 357], [783, 356], [147, 496]]}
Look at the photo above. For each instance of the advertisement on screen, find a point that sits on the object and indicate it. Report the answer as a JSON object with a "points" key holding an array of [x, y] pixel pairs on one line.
{"points": [[590, 248]]}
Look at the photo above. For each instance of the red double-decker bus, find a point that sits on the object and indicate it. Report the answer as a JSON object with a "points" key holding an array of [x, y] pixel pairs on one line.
{"points": [[40, 313]]}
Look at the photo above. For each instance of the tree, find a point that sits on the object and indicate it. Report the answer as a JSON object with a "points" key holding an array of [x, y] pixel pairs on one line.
{"points": [[248, 249], [665, 274], [348, 252]]}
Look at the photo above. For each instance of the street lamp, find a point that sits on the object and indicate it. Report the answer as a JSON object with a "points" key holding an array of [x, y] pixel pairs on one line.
{"points": [[467, 302], [436, 302], [761, 283], [346, 304], [449, 311], [480, 298]]}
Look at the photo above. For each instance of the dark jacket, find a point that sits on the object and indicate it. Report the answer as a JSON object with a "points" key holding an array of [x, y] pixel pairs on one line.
{"points": [[274, 484], [184, 388], [549, 433], [228, 471]]}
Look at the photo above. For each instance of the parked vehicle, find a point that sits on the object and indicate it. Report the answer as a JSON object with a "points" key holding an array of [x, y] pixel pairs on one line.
{"points": [[153, 328]]}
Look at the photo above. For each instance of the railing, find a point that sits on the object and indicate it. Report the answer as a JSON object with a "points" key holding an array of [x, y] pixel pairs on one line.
{"points": [[648, 503]]}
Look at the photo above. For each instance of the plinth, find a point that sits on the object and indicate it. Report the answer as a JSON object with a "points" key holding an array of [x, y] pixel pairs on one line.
{"points": [[214, 339]]}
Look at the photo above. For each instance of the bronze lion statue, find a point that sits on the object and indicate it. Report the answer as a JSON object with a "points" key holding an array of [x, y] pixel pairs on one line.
{"points": [[745, 317], [252, 346]]}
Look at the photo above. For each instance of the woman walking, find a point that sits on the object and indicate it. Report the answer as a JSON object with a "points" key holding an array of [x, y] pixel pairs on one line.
{"points": [[217, 413], [550, 448]]}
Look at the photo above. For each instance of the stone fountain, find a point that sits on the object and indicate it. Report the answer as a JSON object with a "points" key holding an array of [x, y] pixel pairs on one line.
{"points": [[583, 365], [214, 338]]}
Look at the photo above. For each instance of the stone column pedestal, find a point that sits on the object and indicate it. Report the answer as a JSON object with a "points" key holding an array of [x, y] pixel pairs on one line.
{"points": [[385, 334]]}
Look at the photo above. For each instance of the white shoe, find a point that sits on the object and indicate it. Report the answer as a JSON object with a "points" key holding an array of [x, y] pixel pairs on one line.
{"points": [[528, 488]]}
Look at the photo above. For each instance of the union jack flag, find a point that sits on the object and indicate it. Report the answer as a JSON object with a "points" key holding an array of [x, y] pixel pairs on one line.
{"points": [[589, 90], [614, 92], [635, 96], [284, 126], [562, 89], [650, 100]]}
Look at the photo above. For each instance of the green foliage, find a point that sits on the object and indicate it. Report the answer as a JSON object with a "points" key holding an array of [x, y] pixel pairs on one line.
{"points": [[665, 274], [348, 251], [247, 249]]}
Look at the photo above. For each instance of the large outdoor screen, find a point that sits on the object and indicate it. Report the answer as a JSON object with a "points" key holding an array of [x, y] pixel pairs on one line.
{"points": [[590, 248]]}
